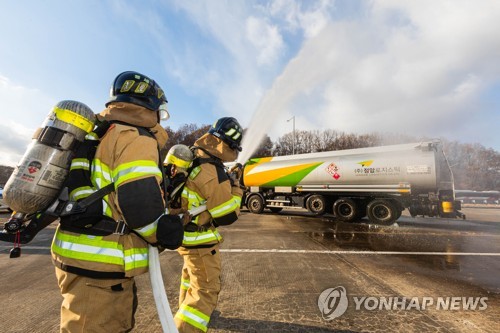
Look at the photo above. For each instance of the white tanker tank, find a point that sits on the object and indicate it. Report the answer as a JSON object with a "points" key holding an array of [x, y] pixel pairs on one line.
{"points": [[379, 182]]}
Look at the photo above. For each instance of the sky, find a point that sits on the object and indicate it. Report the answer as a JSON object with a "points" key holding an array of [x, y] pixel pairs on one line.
{"points": [[423, 67]]}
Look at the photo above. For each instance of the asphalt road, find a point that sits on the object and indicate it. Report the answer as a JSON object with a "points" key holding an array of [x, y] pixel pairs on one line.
{"points": [[292, 272]]}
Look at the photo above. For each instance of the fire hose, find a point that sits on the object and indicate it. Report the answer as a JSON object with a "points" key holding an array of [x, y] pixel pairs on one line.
{"points": [[160, 296]]}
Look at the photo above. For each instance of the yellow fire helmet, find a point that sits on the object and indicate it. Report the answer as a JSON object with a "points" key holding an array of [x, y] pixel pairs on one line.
{"points": [[180, 156]]}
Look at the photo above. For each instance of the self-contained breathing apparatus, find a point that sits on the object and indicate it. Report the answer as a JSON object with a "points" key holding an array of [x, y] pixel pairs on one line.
{"points": [[39, 176], [78, 210], [85, 213]]}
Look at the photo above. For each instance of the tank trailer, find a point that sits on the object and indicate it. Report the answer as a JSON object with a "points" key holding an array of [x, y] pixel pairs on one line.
{"points": [[377, 182]]}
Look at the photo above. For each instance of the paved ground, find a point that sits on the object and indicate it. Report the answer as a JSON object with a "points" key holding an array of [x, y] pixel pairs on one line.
{"points": [[275, 266]]}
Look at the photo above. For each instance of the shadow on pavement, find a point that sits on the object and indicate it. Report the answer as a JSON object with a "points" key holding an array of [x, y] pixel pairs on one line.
{"points": [[250, 325]]}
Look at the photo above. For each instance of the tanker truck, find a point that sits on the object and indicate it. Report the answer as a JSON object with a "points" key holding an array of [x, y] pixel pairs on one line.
{"points": [[377, 182]]}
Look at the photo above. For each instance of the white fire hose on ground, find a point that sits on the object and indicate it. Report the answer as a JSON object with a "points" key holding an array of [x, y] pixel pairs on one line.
{"points": [[160, 296]]}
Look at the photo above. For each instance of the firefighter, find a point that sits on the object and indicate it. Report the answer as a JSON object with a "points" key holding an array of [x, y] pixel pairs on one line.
{"points": [[207, 184], [96, 263], [177, 166]]}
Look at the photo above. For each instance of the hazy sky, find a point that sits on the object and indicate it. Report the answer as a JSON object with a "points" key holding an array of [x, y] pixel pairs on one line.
{"points": [[425, 68]]}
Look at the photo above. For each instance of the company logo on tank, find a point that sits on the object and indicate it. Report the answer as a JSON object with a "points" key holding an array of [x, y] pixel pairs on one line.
{"points": [[367, 170]]}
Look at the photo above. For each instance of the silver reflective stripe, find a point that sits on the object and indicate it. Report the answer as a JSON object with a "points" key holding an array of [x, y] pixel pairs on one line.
{"points": [[194, 317], [229, 207], [105, 207], [105, 174], [136, 257], [141, 169], [200, 237], [75, 163], [147, 228], [88, 249], [79, 193]]}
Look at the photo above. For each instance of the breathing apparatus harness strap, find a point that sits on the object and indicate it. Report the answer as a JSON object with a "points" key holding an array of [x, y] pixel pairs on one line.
{"points": [[72, 207]]}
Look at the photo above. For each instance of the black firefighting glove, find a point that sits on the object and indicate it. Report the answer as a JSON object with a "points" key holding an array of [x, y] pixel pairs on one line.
{"points": [[170, 231]]}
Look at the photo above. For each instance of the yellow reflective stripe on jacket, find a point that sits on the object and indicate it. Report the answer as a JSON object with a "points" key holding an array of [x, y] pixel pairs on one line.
{"points": [[227, 207], [92, 136], [148, 229], [83, 247], [101, 176], [185, 284], [106, 209], [81, 192], [136, 258], [80, 163], [193, 317], [194, 200], [197, 238], [100, 172], [95, 249], [135, 169]]}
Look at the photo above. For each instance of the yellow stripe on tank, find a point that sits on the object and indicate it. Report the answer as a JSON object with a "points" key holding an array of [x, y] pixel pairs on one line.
{"points": [[267, 176]]}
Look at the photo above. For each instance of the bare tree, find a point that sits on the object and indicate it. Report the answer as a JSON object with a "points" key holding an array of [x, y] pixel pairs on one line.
{"points": [[265, 148], [186, 134]]}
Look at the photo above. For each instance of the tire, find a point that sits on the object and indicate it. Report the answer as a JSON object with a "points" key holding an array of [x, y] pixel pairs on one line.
{"points": [[382, 211], [275, 209], [399, 212], [345, 210], [255, 204], [316, 204]]}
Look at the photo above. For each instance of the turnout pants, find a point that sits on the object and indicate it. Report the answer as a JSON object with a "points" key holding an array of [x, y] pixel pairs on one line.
{"points": [[200, 287], [96, 305]]}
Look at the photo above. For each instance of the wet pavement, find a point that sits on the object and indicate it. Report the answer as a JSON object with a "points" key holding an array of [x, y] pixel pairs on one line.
{"points": [[276, 266]]}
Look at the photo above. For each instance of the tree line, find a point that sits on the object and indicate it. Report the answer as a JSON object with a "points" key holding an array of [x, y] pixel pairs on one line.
{"points": [[474, 166]]}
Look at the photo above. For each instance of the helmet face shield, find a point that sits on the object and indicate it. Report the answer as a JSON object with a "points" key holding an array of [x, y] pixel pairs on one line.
{"points": [[179, 155], [163, 110]]}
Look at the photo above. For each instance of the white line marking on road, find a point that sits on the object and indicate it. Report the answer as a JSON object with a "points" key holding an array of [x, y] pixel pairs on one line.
{"points": [[320, 251], [2, 247], [360, 252]]}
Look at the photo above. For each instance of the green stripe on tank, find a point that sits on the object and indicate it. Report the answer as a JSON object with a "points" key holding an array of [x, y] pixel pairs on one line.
{"points": [[292, 179], [253, 160]]}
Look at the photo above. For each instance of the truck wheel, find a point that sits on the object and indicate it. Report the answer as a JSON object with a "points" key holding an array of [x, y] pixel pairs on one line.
{"points": [[316, 204], [275, 209], [345, 209], [255, 204], [399, 212], [382, 211]]}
